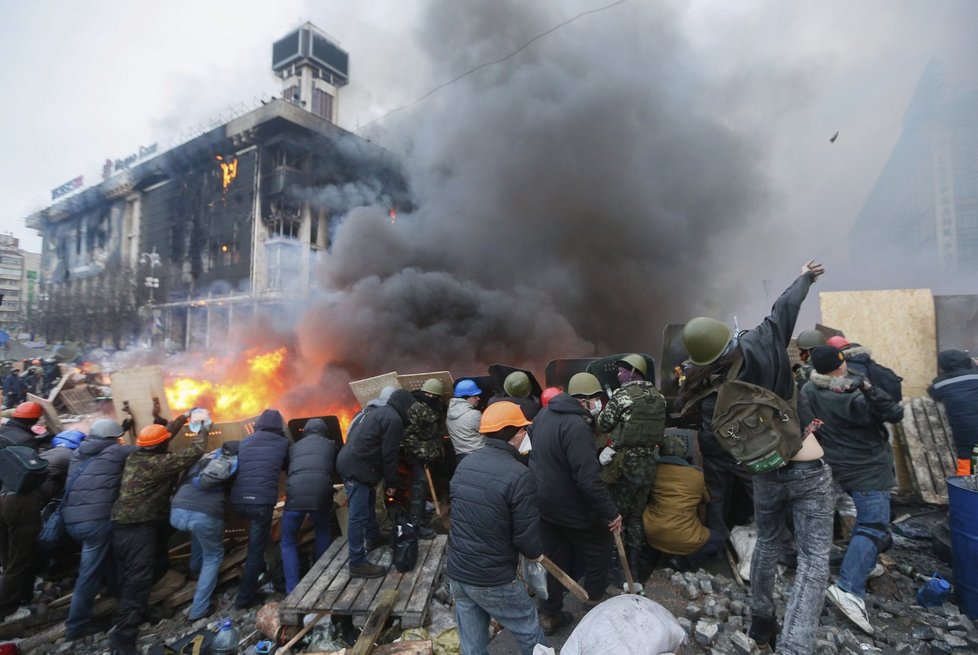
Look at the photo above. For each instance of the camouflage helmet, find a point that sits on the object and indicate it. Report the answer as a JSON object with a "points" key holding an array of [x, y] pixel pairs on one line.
{"points": [[808, 339], [583, 384], [673, 445], [433, 386], [517, 384], [636, 362], [705, 339]]}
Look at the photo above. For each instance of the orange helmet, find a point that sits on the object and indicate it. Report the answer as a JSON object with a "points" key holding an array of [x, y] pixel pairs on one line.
{"points": [[501, 415], [29, 409], [152, 435], [548, 394]]}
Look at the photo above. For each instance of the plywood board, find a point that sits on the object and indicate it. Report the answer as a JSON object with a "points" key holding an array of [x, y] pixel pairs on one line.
{"points": [[370, 388], [138, 387], [414, 381], [897, 326], [51, 418]]}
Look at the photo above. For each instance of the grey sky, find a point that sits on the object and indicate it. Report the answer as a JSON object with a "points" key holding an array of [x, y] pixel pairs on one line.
{"points": [[84, 81]]}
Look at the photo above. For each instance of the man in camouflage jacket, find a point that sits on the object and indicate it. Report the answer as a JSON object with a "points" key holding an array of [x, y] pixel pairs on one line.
{"points": [[139, 517], [422, 445], [635, 421]]}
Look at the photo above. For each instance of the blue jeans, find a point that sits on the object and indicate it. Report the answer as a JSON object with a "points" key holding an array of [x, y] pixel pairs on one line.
{"points": [[95, 538], [872, 527], [206, 554], [291, 522], [508, 603], [362, 523], [804, 489], [259, 531]]}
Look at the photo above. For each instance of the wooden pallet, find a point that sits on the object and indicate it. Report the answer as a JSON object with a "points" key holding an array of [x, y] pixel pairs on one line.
{"points": [[329, 587], [925, 440]]}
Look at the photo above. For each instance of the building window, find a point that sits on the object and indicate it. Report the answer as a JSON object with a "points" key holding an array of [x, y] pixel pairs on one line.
{"points": [[322, 104]]}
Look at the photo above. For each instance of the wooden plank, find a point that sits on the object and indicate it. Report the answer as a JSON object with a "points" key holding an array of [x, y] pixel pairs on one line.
{"points": [[904, 479], [79, 400], [51, 418], [310, 578], [368, 593], [344, 600], [375, 623], [915, 449], [302, 633], [939, 438], [425, 587], [138, 386], [336, 566]]}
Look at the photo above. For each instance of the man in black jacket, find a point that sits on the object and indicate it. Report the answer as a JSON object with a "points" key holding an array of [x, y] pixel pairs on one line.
{"points": [[308, 490], [494, 520], [957, 388], [857, 447], [369, 455], [577, 515], [17, 430]]}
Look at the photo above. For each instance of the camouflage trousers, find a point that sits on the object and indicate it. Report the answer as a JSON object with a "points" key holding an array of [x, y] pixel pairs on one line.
{"points": [[631, 499]]}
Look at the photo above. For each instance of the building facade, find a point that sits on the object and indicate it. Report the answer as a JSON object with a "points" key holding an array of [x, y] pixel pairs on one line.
{"points": [[18, 285]]}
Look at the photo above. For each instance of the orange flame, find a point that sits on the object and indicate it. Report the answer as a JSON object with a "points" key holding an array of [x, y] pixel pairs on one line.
{"points": [[229, 170]]}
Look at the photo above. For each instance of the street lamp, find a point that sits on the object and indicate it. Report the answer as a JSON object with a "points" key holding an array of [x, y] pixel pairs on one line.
{"points": [[151, 281]]}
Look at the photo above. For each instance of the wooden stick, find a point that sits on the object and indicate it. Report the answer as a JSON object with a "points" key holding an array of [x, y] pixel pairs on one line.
{"points": [[375, 623], [302, 633], [733, 566], [569, 583], [431, 487], [630, 588]]}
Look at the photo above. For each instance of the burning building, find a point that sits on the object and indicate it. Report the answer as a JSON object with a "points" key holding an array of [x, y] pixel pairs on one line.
{"points": [[179, 245]]}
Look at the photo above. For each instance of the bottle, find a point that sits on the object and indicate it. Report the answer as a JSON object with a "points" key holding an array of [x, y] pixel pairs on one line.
{"points": [[226, 640], [934, 592], [974, 460]]}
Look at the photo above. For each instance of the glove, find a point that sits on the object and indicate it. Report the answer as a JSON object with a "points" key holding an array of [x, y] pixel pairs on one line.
{"points": [[606, 455]]}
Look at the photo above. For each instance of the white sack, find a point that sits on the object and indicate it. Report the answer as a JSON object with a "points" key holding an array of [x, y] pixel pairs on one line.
{"points": [[626, 625]]}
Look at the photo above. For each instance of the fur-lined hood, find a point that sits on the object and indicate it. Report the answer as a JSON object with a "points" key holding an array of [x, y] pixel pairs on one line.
{"points": [[823, 381], [854, 350]]}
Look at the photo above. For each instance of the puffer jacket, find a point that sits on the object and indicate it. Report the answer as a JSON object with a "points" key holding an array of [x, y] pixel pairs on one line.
{"points": [[957, 388], [262, 457], [16, 433], [671, 519], [564, 463], [853, 436], [312, 460], [494, 516], [96, 488], [463, 426], [371, 449]]}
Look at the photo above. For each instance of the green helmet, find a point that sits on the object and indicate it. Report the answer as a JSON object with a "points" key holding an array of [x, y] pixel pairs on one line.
{"points": [[808, 339], [637, 362], [673, 445], [517, 384], [583, 384], [705, 339], [433, 386]]}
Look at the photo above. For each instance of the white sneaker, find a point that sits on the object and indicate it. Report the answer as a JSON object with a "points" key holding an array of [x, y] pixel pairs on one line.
{"points": [[878, 571], [851, 605]]}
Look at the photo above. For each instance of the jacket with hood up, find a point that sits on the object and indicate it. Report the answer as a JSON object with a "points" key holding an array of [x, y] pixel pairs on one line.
{"points": [[312, 460], [97, 486], [463, 426], [371, 449], [262, 457], [208, 501], [564, 462], [957, 388]]}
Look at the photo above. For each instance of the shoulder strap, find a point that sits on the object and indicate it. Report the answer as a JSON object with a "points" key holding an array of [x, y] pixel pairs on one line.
{"points": [[716, 381]]}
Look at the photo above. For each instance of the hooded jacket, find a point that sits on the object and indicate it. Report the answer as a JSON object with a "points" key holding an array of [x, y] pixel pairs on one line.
{"points": [[312, 460], [957, 388], [371, 449], [463, 426], [206, 501], [671, 519], [564, 463], [494, 516], [97, 486], [853, 436], [860, 360], [262, 457]]}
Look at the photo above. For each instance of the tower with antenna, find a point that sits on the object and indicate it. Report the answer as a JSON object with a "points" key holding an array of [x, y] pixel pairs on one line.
{"points": [[312, 68]]}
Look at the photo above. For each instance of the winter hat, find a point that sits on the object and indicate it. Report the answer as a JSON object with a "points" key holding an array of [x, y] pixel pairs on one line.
{"points": [[826, 359], [838, 342], [953, 360]]}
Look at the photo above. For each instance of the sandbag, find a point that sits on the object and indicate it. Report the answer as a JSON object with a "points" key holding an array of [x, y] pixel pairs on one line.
{"points": [[626, 625], [744, 538]]}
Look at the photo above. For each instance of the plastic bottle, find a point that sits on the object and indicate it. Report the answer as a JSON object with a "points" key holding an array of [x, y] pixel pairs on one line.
{"points": [[226, 640], [934, 592], [974, 460]]}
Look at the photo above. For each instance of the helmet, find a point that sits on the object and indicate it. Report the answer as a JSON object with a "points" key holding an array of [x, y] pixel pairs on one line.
{"points": [[30, 409], [501, 415], [465, 388], [837, 342], [517, 384], [105, 427], [636, 362], [547, 394], [705, 339], [68, 439], [808, 339], [583, 384], [673, 445], [433, 386], [152, 435]]}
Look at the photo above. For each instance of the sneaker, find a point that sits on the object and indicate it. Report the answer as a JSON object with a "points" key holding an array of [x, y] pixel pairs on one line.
{"points": [[368, 570], [764, 631], [878, 571], [851, 605], [549, 623]]}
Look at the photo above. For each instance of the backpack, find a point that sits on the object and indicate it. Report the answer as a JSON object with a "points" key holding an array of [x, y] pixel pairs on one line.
{"points": [[886, 379], [756, 426], [220, 468], [21, 470], [404, 542], [644, 420]]}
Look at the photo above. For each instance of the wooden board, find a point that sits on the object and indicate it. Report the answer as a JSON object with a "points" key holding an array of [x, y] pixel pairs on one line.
{"points": [[51, 418], [414, 381], [329, 587], [925, 442], [370, 388], [79, 400], [138, 387]]}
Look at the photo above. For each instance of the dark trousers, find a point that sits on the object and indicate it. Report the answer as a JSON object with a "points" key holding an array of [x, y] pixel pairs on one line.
{"points": [[20, 523], [134, 549], [722, 475], [573, 549], [259, 532]]}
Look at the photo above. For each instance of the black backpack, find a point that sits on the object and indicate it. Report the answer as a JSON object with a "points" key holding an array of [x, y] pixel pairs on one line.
{"points": [[404, 542], [21, 470]]}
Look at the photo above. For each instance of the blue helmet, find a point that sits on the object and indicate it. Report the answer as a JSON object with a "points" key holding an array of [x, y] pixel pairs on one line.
{"points": [[68, 439], [465, 388]]}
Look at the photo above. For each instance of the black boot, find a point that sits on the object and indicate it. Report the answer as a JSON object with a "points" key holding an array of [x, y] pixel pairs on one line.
{"points": [[764, 631], [421, 527]]}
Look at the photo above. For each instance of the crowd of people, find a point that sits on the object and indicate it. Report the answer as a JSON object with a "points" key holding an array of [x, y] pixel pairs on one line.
{"points": [[560, 473]]}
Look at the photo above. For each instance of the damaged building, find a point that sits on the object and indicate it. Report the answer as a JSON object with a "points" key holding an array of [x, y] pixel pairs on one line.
{"points": [[176, 246]]}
